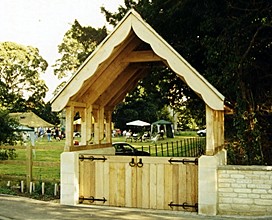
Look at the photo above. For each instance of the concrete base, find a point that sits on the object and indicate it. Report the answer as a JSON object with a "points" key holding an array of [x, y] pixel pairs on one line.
{"points": [[207, 182]]}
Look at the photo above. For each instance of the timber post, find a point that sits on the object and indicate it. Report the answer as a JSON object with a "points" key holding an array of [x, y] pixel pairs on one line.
{"points": [[70, 112], [28, 165]]}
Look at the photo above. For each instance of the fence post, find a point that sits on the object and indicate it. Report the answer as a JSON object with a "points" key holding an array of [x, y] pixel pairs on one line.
{"points": [[28, 165]]}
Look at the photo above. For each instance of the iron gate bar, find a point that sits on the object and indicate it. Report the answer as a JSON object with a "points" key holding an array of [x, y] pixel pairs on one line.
{"points": [[92, 158], [184, 205], [91, 199], [183, 161]]}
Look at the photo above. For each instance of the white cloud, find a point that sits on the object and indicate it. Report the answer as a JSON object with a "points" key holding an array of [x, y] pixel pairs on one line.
{"points": [[43, 23]]}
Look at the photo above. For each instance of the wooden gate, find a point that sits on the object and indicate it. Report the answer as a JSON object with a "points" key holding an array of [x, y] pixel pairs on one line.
{"points": [[141, 182]]}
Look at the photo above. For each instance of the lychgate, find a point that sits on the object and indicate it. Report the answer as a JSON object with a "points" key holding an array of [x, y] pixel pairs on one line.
{"points": [[101, 83]]}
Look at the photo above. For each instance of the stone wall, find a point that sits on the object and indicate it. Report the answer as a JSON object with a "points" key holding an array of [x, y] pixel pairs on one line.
{"points": [[245, 190]]}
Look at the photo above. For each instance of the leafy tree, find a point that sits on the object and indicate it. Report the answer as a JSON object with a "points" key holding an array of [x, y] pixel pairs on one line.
{"points": [[7, 128], [20, 70], [229, 42], [78, 43]]}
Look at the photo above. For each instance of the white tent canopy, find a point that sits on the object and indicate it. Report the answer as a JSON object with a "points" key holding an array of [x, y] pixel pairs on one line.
{"points": [[138, 123]]}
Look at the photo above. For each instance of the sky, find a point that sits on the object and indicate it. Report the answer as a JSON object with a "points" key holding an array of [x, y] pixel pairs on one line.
{"points": [[43, 23]]}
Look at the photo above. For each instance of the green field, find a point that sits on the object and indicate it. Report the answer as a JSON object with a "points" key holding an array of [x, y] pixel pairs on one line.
{"points": [[51, 153]]}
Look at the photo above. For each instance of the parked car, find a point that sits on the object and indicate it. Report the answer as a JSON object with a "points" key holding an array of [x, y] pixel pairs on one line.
{"points": [[77, 134], [201, 133], [123, 148]]}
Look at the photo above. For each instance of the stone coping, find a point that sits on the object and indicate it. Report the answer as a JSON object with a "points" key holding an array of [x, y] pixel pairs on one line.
{"points": [[245, 168]]}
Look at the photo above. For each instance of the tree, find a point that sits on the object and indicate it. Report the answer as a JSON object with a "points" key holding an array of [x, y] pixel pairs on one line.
{"points": [[20, 70], [78, 43], [8, 128], [229, 42]]}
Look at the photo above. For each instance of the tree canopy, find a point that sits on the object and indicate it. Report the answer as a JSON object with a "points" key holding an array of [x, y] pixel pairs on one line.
{"points": [[229, 42], [20, 81], [21, 88], [78, 43]]}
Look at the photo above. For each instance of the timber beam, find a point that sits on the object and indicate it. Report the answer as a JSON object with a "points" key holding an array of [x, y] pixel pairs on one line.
{"points": [[142, 56]]}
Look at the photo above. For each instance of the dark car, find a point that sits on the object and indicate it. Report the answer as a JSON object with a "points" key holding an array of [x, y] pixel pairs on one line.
{"points": [[123, 148]]}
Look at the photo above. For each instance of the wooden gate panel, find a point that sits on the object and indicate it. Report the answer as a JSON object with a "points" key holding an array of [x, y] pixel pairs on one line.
{"points": [[86, 178], [155, 185]]}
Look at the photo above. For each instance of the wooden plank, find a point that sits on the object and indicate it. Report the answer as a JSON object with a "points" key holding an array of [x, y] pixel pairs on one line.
{"points": [[160, 186], [175, 185], [182, 184], [87, 179], [107, 72], [191, 193], [113, 90], [113, 184], [153, 186], [168, 185], [48, 147], [121, 186], [129, 86], [142, 56], [106, 179], [77, 104], [81, 178], [132, 40], [128, 183], [34, 163], [134, 186], [69, 128], [13, 162], [215, 130], [99, 180], [145, 170]]}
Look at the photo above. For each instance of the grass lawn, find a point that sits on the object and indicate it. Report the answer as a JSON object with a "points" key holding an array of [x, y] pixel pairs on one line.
{"points": [[51, 151]]}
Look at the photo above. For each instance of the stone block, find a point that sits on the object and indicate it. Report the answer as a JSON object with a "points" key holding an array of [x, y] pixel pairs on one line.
{"points": [[225, 190], [266, 196], [237, 176], [243, 181], [253, 196], [259, 191], [228, 194], [240, 201], [258, 186], [241, 190], [240, 207], [264, 202], [223, 200], [238, 185], [223, 185]]}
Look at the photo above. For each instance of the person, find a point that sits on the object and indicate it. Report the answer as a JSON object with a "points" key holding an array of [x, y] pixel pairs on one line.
{"points": [[128, 135], [48, 132], [162, 132], [57, 134]]}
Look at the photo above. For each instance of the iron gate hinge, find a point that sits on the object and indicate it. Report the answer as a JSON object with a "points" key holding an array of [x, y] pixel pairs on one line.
{"points": [[91, 199], [184, 161], [184, 205], [91, 158]]}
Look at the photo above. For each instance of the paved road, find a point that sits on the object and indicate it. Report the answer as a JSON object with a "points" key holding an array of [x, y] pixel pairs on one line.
{"points": [[12, 207]]}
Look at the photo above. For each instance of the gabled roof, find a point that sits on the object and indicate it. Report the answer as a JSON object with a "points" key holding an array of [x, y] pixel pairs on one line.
{"points": [[121, 60]]}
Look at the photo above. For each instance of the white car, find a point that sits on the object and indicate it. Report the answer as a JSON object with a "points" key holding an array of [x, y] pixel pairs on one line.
{"points": [[201, 133]]}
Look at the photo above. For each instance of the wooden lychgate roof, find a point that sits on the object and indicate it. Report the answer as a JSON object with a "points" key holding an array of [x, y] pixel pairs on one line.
{"points": [[121, 60]]}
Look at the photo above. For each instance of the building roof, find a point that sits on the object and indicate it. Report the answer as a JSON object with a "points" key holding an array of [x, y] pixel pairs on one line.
{"points": [[30, 119], [124, 58]]}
